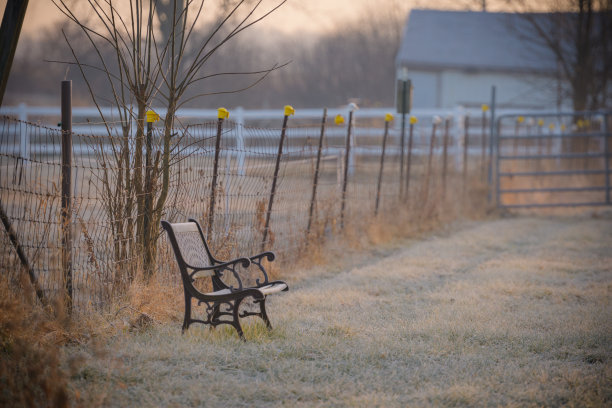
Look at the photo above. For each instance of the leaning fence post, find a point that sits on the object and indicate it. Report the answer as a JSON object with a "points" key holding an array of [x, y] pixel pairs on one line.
{"points": [[432, 143], [388, 118], [315, 182], [346, 168], [222, 114], [66, 182], [22, 256], [413, 121], [288, 112]]}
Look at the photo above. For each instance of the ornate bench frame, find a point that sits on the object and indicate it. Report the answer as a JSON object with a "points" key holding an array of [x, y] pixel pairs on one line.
{"points": [[196, 261]]}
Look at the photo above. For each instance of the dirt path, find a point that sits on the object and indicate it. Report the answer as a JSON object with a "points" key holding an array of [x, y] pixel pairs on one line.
{"points": [[512, 312]]}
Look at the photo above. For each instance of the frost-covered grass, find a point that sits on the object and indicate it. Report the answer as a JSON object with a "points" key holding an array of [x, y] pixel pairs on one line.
{"points": [[511, 312]]}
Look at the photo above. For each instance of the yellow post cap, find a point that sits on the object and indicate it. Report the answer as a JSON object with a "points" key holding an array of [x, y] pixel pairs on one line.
{"points": [[485, 107], [551, 126], [222, 113], [520, 119], [562, 127], [580, 123], [540, 122], [152, 116], [339, 119], [388, 117], [289, 110], [413, 120]]}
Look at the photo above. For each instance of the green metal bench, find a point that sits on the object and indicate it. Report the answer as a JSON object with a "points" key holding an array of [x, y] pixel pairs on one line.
{"points": [[196, 261]]}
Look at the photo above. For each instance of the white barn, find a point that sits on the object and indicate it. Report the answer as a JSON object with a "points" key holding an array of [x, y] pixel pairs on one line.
{"points": [[453, 58]]}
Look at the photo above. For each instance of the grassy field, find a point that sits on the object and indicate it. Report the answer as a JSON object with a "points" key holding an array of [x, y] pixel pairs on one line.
{"points": [[509, 312]]}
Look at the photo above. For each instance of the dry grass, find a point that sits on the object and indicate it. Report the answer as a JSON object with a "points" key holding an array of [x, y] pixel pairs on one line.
{"points": [[510, 312], [31, 372]]}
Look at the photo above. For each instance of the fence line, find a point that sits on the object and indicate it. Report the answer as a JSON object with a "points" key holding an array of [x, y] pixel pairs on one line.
{"points": [[244, 161]]}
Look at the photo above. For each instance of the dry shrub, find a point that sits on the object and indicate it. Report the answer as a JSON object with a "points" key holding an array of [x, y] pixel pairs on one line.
{"points": [[30, 338], [422, 213], [149, 302], [260, 214]]}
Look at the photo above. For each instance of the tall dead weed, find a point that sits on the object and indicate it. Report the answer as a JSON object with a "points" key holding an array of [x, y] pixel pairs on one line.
{"points": [[31, 374]]}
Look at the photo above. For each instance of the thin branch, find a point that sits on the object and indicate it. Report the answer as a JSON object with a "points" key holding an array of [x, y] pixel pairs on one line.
{"points": [[274, 68], [236, 31], [230, 92]]}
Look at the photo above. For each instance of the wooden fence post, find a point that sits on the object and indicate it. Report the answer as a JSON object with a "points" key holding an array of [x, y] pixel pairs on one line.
{"points": [[346, 168], [466, 146], [315, 182], [222, 114], [288, 111], [66, 211], [413, 121], [148, 249], [483, 156], [22, 256], [444, 157], [388, 118], [607, 129]]}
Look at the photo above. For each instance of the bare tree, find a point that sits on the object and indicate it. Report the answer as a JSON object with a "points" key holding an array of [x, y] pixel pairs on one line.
{"points": [[578, 33], [153, 60]]}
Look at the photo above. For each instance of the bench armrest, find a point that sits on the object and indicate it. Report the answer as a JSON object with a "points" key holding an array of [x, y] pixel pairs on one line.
{"points": [[218, 269], [257, 260]]}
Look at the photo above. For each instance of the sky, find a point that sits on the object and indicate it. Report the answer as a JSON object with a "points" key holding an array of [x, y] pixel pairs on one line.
{"points": [[296, 16]]}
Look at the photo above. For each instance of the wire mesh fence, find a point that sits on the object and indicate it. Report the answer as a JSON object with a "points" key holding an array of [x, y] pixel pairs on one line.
{"points": [[221, 174]]}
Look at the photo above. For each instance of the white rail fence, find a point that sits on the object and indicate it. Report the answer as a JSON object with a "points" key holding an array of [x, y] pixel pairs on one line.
{"points": [[87, 121]]}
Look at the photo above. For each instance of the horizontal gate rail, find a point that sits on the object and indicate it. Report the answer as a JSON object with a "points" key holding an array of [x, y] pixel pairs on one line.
{"points": [[552, 190], [574, 170], [544, 205], [551, 173], [555, 156], [554, 136]]}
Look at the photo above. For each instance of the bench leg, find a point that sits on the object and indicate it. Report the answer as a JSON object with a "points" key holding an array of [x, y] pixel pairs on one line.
{"points": [[236, 321], [187, 319], [215, 313], [262, 312]]}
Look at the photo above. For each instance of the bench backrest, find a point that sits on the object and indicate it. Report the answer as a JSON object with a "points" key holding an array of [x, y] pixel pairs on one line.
{"points": [[188, 243]]}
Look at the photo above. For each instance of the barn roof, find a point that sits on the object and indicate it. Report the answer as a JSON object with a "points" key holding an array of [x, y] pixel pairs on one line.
{"points": [[469, 40]]}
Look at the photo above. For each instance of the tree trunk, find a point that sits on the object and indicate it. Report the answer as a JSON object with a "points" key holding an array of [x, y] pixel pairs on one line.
{"points": [[138, 171]]}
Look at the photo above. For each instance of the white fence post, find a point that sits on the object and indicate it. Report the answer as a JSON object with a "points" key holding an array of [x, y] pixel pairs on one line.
{"points": [[240, 139], [24, 139], [459, 134]]}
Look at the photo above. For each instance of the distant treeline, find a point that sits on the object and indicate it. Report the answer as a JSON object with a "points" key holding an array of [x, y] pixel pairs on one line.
{"points": [[356, 62]]}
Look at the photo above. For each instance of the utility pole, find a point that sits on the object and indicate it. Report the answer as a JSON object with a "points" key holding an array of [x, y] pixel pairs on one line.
{"points": [[10, 29]]}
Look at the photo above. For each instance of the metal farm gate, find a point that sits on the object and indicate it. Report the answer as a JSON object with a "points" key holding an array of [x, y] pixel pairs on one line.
{"points": [[553, 160]]}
